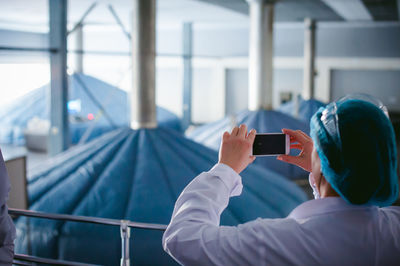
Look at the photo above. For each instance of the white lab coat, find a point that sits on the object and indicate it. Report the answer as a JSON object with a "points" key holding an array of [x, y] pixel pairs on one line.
{"points": [[326, 231]]}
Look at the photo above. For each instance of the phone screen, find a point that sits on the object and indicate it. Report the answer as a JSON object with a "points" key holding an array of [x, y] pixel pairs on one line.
{"points": [[269, 144]]}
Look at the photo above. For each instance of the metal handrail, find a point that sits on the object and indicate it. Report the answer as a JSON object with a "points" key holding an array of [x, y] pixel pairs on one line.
{"points": [[22, 263], [124, 226], [20, 259], [85, 219]]}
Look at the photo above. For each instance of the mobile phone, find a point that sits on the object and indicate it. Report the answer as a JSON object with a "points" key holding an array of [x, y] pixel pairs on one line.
{"points": [[271, 144]]}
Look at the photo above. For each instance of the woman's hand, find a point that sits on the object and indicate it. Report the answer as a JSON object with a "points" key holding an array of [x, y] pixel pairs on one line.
{"points": [[300, 141], [236, 148]]}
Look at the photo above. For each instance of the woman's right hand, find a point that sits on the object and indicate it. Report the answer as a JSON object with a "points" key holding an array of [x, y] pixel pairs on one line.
{"points": [[300, 141]]}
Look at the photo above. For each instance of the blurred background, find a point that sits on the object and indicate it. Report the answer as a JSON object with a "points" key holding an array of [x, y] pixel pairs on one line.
{"points": [[66, 96]]}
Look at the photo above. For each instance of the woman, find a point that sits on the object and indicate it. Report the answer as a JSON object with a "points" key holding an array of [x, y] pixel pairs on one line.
{"points": [[351, 157]]}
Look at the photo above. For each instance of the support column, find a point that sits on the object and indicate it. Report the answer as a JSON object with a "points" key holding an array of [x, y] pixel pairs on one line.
{"points": [[143, 101], [398, 9], [79, 49], [309, 59], [187, 75], [261, 54], [59, 135]]}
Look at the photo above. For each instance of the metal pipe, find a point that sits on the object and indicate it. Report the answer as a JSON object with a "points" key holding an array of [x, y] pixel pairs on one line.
{"points": [[79, 47], [125, 236], [84, 219], [261, 54], [116, 53], [23, 257], [143, 101], [309, 59], [187, 75], [22, 263]]}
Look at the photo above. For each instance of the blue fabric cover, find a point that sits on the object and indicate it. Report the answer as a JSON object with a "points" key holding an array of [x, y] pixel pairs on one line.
{"points": [[264, 122], [365, 172], [307, 108], [135, 175], [14, 118]]}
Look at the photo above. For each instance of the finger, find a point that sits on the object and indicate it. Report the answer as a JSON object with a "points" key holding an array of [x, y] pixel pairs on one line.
{"points": [[290, 132], [296, 160], [296, 134], [292, 138], [225, 136], [242, 130], [305, 135], [252, 135], [308, 141], [296, 146], [235, 131]]}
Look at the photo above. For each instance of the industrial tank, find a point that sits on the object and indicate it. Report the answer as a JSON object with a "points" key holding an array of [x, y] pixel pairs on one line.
{"points": [[264, 121], [135, 175], [302, 109], [94, 107]]}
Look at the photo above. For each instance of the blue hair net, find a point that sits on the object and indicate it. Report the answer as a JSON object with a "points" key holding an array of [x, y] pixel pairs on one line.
{"points": [[365, 170]]}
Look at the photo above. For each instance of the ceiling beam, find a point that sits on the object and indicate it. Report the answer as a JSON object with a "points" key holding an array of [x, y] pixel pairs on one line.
{"points": [[239, 6], [351, 10]]}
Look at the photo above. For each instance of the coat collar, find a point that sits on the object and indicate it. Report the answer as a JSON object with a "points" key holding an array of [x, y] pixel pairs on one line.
{"points": [[323, 206]]}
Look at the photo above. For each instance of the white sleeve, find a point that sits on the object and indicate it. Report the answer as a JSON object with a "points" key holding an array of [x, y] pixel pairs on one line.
{"points": [[194, 236]]}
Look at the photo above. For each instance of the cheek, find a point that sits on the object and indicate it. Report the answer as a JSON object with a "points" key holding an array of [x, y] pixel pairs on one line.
{"points": [[315, 166]]}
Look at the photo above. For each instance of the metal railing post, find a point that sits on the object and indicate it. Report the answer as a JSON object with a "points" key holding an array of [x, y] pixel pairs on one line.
{"points": [[125, 236], [125, 228]]}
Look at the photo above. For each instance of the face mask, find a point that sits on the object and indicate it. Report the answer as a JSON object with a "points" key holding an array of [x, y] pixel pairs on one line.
{"points": [[311, 180]]}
